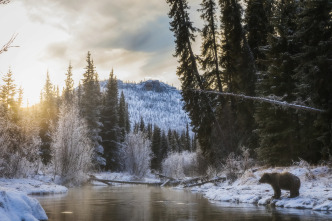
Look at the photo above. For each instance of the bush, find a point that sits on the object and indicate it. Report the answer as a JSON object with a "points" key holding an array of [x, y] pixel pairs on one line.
{"points": [[71, 146], [19, 145], [136, 154], [179, 165]]}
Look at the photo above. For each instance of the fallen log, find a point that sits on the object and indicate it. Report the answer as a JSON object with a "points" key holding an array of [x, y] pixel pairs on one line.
{"points": [[109, 182], [208, 181], [165, 177]]}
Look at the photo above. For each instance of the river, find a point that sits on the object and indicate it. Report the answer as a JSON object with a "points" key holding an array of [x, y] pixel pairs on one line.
{"points": [[91, 203]]}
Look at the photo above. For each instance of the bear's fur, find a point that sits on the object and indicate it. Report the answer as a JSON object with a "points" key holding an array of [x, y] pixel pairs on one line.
{"points": [[285, 181]]}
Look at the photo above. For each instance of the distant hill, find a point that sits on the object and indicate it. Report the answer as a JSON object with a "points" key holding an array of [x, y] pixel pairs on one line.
{"points": [[158, 103]]}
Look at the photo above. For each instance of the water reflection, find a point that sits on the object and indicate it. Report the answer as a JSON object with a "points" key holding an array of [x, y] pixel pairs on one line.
{"points": [[148, 203]]}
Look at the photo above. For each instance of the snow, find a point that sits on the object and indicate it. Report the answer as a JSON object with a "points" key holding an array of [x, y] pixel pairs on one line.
{"points": [[315, 191], [18, 206], [156, 102], [15, 204]]}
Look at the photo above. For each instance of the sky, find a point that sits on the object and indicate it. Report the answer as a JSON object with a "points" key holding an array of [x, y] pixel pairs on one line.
{"points": [[130, 36]]}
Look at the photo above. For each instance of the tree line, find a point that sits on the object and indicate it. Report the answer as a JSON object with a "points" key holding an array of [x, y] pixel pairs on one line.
{"points": [[83, 125], [276, 49]]}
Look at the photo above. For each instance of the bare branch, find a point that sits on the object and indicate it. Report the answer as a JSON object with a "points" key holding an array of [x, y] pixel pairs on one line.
{"points": [[8, 44]]}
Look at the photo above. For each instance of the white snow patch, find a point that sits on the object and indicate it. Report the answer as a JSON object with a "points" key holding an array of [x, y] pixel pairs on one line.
{"points": [[315, 192], [17, 206]]}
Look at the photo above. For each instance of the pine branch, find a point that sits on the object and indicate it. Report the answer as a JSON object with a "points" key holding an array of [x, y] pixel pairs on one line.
{"points": [[8, 44], [266, 100]]}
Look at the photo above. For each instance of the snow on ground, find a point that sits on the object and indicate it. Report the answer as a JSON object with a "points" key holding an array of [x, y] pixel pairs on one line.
{"points": [[38, 185], [315, 191], [16, 205]]}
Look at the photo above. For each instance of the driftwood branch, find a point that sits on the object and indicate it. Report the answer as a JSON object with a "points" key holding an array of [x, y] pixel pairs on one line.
{"points": [[266, 100], [208, 181], [109, 182]]}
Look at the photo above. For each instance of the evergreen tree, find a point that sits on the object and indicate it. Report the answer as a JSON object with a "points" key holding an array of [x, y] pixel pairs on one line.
{"points": [[156, 149], [210, 46], [198, 105], [187, 145], [257, 18], [8, 90], [127, 119], [142, 125], [149, 131], [68, 92], [109, 119], [90, 108], [48, 114], [122, 117], [164, 149], [278, 128], [313, 77], [7, 96]]}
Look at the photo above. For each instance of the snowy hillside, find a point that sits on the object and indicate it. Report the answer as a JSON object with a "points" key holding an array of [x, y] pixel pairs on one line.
{"points": [[157, 102]]}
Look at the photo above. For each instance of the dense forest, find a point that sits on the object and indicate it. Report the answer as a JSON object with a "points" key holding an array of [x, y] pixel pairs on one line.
{"points": [[79, 130], [278, 50]]}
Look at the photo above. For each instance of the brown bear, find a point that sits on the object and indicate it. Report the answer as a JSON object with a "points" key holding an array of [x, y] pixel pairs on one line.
{"points": [[285, 181]]}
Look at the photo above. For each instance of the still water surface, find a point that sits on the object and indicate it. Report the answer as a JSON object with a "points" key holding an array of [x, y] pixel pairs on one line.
{"points": [[153, 203]]}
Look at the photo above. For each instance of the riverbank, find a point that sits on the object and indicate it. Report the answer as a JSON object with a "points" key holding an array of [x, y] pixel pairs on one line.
{"points": [[16, 205], [315, 191]]}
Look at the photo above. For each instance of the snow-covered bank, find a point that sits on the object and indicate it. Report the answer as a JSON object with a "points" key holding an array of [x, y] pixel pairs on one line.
{"points": [[16, 205], [315, 191], [38, 185]]}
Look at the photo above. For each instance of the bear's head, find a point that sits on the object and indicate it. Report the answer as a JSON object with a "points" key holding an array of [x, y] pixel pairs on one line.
{"points": [[266, 178]]}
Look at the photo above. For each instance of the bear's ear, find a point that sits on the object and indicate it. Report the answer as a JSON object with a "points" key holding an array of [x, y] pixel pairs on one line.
{"points": [[265, 178]]}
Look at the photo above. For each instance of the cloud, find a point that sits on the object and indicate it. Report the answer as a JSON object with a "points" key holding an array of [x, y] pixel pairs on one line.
{"points": [[122, 33]]}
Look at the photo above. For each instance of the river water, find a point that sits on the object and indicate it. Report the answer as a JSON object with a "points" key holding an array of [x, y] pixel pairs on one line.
{"points": [[154, 203]]}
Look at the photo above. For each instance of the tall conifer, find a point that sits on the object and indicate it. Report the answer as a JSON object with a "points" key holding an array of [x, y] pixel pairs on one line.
{"points": [[90, 107], [109, 118]]}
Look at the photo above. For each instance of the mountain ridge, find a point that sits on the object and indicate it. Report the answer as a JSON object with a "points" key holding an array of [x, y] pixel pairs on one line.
{"points": [[156, 102]]}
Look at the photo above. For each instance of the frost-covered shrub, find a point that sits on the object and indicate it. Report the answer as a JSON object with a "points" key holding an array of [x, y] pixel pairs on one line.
{"points": [[232, 166], [304, 164], [136, 154], [179, 165], [19, 145], [71, 146]]}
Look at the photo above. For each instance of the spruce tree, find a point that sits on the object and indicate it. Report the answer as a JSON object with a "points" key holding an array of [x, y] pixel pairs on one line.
{"points": [[68, 92], [109, 118], [90, 108], [156, 148], [313, 77], [197, 104], [278, 128], [124, 121], [257, 20], [7, 96], [48, 114], [164, 148], [210, 48]]}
